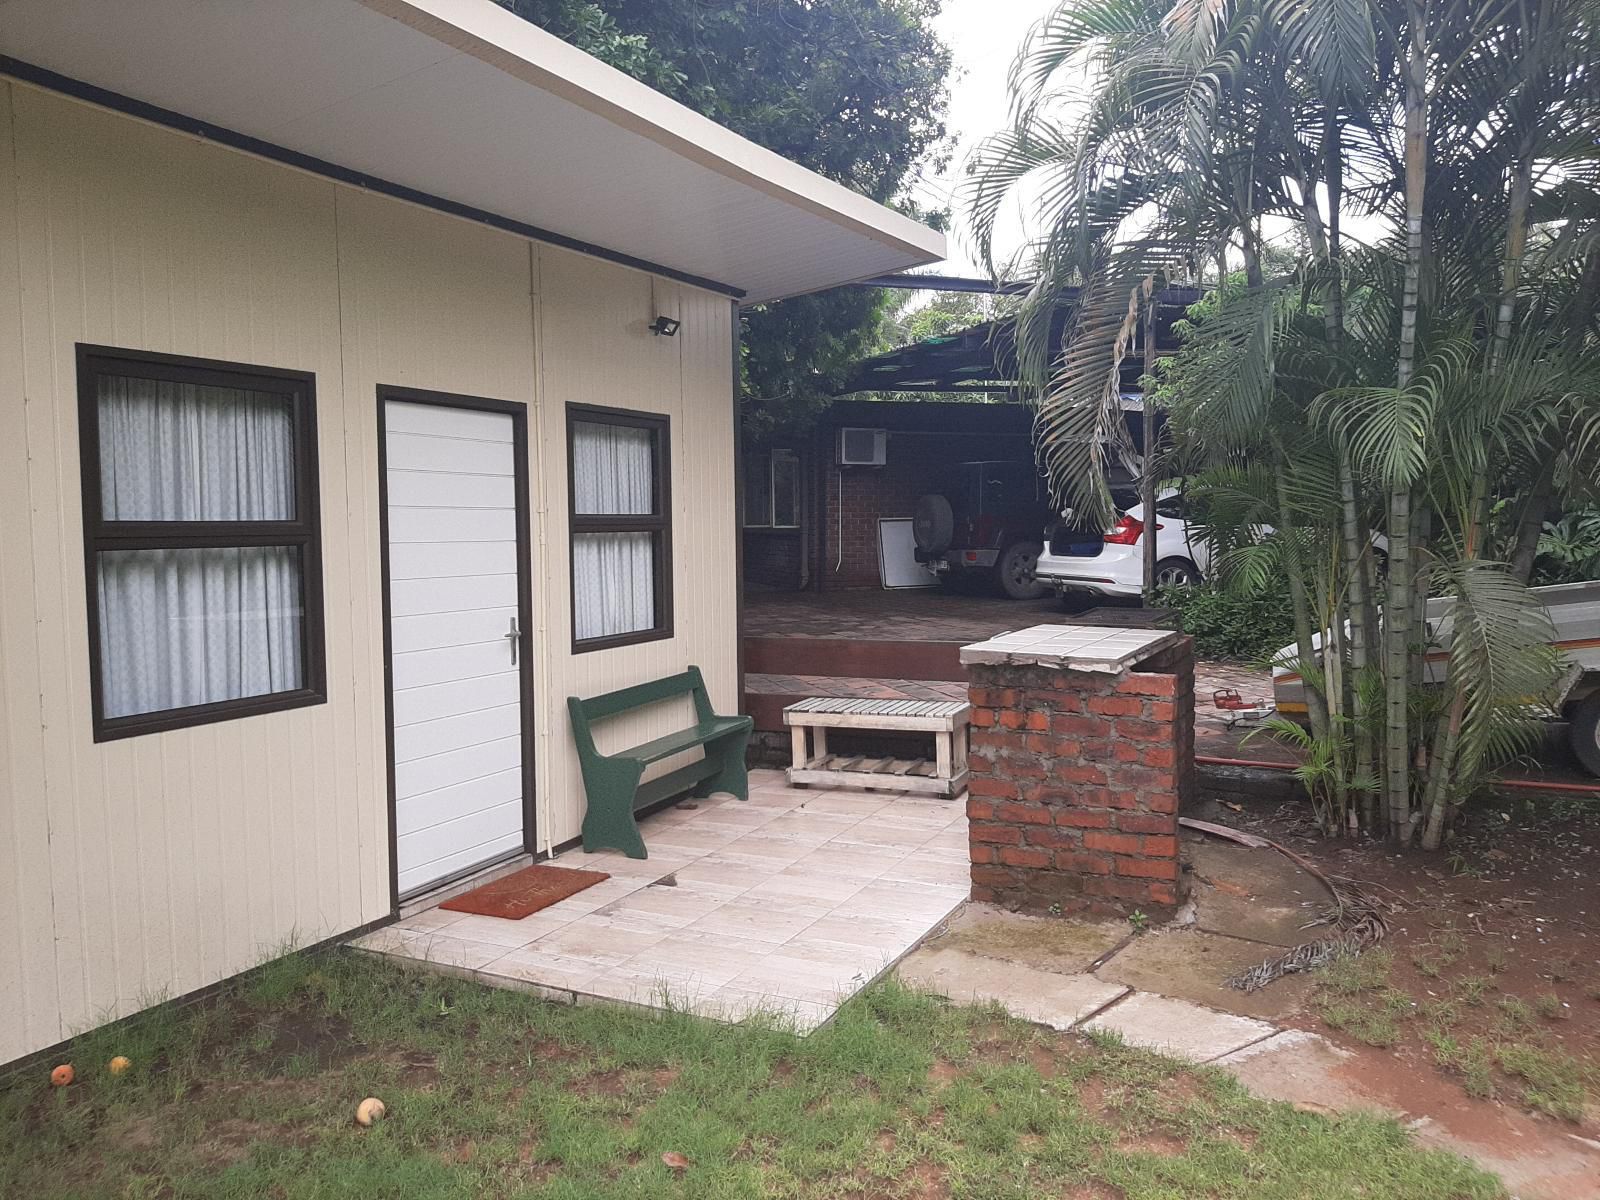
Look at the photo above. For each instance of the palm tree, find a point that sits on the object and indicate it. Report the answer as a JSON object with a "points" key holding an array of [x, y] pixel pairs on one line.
{"points": [[1358, 391]]}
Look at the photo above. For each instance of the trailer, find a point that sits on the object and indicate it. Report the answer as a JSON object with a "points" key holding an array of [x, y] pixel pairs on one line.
{"points": [[1575, 612]]}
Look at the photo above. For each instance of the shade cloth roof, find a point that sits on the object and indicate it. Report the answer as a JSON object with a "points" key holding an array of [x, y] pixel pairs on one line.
{"points": [[983, 359]]}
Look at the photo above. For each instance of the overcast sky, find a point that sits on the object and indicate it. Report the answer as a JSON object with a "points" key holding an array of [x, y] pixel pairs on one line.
{"points": [[983, 36]]}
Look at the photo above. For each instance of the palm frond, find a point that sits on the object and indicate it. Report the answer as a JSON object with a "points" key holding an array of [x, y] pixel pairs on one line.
{"points": [[1334, 38], [1502, 663]]}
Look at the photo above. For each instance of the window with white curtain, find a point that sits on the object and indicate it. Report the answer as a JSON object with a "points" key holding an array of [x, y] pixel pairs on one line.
{"points": [[621, 533], [201, 537]]}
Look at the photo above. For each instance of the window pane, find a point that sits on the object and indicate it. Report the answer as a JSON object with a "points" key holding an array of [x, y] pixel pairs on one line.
{"points": [[195, 626], [613, 470], [181, 452], [785, 490], [757, 490], [613, 576]]}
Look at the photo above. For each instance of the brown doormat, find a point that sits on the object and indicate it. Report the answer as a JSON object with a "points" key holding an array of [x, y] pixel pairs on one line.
{"points": [[522, 892]]}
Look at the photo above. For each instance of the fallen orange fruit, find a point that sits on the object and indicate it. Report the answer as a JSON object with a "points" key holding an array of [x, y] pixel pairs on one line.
{"points": [[119, 1064], [63, 1075]]}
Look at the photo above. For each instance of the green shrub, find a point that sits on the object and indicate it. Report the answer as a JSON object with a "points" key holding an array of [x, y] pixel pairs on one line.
{"points": [[1569, 549], [1227, 625]]}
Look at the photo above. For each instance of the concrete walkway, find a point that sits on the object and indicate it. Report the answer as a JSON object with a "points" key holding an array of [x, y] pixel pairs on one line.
{"points": [[1079, 1000], [1163, 991]]}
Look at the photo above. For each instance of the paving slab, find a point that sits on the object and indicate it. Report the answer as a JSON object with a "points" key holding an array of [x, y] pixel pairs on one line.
{"points": [[1538, 1159], [1255, 894], [1300, 1068], [1190, 964], [1067, 945], [1059, 1001], [1178, 1028]]}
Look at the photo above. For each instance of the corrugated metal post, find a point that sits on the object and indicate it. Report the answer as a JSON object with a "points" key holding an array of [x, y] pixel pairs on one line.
{"points": [[736, 339], [1147, 479]]}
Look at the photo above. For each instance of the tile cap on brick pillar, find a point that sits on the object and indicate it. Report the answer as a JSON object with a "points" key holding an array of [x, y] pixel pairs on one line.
{"points": [[1071, 647]]}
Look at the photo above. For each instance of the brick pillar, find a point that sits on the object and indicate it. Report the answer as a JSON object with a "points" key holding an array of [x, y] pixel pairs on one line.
{"points": [[1081, 756]]}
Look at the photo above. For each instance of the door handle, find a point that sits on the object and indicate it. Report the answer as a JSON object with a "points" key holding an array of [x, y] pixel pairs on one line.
{"points": [[513, 635]]}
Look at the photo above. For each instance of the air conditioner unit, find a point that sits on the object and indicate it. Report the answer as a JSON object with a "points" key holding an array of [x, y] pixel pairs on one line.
{"points": [[862, 447]]}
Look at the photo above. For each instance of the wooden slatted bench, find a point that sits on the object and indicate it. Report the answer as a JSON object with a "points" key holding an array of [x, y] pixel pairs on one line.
{"points": [[946, 720], [611, 781]]}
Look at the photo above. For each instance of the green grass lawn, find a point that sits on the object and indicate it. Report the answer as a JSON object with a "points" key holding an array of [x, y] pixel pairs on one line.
{"points": [[496, 1094]]}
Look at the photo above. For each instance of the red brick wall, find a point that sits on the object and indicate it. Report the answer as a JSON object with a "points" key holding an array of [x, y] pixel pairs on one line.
{"points": [[772, 558], [869, 493], [1077, 779], [914, 463]]}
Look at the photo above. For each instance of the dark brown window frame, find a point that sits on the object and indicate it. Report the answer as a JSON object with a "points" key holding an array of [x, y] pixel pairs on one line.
{"points": [[659, 523], [304, 532], [770, 459]]}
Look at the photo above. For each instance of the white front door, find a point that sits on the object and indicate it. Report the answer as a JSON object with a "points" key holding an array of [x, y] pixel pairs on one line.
{"points": [[456, 658]]}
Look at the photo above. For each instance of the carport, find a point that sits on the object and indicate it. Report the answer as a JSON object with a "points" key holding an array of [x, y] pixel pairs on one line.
{"points": [[816, 504]]}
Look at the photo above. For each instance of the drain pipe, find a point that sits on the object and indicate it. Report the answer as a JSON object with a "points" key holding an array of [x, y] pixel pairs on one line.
{"points": [[839, 536]]}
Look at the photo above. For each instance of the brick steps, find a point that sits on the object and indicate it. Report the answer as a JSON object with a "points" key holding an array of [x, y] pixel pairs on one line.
{"points": [[766, 695], [855, 658]]}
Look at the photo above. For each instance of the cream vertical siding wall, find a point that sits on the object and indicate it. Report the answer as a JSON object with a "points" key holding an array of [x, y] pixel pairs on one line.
{"points": [[151, 866]]}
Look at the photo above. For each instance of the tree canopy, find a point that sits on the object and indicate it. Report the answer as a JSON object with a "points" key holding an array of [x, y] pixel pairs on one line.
{"points": [[915, 317], [853, 89], [1373, 426]]}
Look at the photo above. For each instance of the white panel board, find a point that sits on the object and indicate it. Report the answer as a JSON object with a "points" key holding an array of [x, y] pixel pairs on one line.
{"points": [[897, 563]]}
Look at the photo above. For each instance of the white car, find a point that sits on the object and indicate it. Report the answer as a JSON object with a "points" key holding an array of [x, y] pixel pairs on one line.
{"points": [[1112, 563]]}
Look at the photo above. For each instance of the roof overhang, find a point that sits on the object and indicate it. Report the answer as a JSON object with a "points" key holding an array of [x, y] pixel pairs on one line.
{"points": [[462, 103]]}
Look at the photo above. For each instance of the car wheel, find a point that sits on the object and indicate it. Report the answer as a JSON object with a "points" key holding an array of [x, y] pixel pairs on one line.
{"points": [[1014, 572], [1585, 733], [1177, 572]]}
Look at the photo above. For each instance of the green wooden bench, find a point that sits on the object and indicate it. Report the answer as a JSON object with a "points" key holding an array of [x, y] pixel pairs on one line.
{"points": [[611, 781]]}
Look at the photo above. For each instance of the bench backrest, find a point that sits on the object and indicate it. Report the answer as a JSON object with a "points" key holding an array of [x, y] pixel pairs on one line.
{"points": [[612, 704]]}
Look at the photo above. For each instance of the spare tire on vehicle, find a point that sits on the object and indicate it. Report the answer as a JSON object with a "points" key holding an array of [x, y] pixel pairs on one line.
{"points": [[933, 525]]}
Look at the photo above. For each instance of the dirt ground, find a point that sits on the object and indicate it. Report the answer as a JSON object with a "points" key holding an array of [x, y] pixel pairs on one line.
{"points": [[1514, 903], [1478, 1021]]}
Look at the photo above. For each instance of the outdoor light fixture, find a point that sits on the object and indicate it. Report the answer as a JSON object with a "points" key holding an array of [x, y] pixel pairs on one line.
{"points": [[664, 327]]}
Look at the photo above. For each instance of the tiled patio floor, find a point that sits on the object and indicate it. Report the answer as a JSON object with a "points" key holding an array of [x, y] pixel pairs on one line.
{"points": [[789, 903]]}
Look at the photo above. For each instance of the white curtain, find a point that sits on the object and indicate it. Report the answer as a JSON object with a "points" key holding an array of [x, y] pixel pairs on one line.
{"points": [[182, 627], [177, 452], [613, 471], [614, 583], [613, 474], [189, 626]]}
